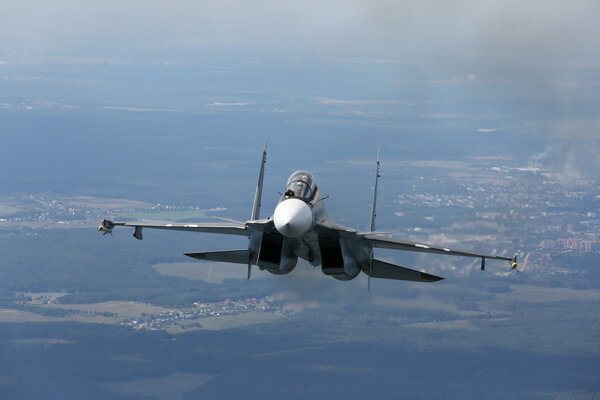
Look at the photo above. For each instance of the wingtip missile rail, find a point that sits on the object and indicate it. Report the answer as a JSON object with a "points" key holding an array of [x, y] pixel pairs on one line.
{"points": [[513, 264], [106, 227]]}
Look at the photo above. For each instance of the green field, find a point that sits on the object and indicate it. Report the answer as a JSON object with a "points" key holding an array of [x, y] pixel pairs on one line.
{"points": [[9, 210], [172, 386], [207, 272]]}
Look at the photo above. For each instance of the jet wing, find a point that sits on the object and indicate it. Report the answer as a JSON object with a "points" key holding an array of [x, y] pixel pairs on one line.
{"points": [[384, 242], [378, 268], [228, 228]]}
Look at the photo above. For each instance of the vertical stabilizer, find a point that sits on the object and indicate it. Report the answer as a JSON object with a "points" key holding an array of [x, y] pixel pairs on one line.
{"points": [[259, 187], [374, 209], [374, 214]]}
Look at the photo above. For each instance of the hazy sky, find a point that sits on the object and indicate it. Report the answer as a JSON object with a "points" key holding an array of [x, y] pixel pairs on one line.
{"points": [[527, 67], [534, 26]]}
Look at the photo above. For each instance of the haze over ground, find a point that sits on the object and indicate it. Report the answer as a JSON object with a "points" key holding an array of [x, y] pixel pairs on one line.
{"points": [[487, 116]]}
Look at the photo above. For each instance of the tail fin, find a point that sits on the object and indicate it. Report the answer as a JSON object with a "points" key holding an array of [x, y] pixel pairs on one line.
{"points": [[230, 256], [385, 270], [374, 215], [259, 187], [374, 209]]}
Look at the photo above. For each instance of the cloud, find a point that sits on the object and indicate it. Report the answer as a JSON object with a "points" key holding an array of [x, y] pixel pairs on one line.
{"points": [[570, 148], [329, 101], [570, 160], [506, 28], [573, 129], [232, 104], [487, 130], [439, 115], [140, 109]]}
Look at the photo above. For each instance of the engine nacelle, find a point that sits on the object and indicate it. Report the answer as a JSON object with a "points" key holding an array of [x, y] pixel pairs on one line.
{"points": [[276, 254], [336, 260]]}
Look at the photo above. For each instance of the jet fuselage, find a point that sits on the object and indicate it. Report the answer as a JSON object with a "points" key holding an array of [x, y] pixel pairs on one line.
{"points": [[298, 216]]}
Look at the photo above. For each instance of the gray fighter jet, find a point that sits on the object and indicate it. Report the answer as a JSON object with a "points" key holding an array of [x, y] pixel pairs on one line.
{"points": [[300, 228]]}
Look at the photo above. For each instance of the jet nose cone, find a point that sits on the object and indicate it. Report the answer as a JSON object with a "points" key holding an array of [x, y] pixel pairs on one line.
{"points": [[292, 218]]}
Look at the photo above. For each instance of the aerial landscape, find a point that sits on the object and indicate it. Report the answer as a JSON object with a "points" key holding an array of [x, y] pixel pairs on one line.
{"points": [[486, 117]]}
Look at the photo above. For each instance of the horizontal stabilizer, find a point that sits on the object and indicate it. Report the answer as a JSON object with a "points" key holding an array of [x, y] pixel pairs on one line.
{"points": [[230, 256], [382, 269]]}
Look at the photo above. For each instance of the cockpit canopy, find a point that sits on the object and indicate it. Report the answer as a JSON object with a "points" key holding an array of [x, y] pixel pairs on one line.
{"points": [[300, 184]]}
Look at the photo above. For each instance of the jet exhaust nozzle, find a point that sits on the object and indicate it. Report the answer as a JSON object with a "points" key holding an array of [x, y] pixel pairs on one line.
{"points": [[293, 218]]}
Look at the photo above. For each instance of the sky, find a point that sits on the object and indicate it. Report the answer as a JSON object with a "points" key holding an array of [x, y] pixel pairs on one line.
{"points": [[528, 68], [506, 77]]}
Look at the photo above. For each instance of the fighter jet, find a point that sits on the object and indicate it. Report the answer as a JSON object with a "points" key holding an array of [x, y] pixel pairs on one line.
{"points": [[301, 228]]}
